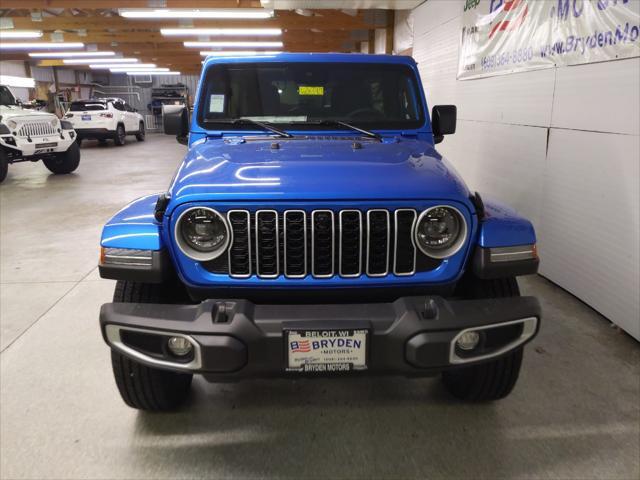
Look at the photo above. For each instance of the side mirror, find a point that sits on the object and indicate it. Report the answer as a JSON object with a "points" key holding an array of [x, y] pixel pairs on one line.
{"points": [[175, 119], [443, 121]]}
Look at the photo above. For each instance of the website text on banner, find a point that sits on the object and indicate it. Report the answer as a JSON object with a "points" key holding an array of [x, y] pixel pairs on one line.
{"points": [[507, 36]]}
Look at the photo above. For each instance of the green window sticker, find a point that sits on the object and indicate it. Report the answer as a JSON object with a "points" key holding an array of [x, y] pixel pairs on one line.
{"points": [[310, 90]]}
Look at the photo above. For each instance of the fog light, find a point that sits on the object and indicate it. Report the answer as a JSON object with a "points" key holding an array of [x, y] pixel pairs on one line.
{"points": [[179, 346], [468, 340]]}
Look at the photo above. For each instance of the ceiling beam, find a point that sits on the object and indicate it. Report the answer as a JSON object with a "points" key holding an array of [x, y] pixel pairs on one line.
{"points": [[324, 20]]}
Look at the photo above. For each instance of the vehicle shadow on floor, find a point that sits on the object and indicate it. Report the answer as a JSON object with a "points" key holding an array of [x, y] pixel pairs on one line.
{"points": [[347, 428]]}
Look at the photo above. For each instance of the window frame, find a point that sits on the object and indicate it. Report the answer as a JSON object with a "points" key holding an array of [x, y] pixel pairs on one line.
{"points": [[223, 124]]}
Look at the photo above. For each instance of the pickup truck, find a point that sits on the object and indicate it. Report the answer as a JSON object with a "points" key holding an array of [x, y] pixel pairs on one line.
{"points": [[28, 135], [313, 230]]}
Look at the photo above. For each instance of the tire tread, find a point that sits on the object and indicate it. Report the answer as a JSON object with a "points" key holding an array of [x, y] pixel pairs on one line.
{"points": [[496, 378], [140, 386]]}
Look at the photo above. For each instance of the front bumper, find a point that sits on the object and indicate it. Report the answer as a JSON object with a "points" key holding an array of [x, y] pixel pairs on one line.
{"points": [[39, 145], [237, 338]]}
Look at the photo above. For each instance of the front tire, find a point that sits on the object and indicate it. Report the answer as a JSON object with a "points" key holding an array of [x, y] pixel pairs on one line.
{"points": [[494, 379], [4, 165], [142, 387], [120, 136], [65, 162], [147, 388], [140, 136]]}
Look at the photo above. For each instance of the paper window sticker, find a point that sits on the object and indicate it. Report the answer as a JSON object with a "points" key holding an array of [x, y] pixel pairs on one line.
{"points": [[216, 103]]}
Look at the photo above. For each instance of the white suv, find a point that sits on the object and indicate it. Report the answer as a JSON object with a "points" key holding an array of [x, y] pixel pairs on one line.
{"points": [[28, 135], [105, 118]]}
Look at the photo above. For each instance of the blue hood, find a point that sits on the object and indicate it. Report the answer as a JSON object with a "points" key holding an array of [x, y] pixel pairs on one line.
{"points": [[314, 169]]}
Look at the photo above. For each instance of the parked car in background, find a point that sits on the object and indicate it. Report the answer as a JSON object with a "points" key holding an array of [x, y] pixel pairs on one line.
{"points": [[314, 229], [105, 119], [28, 135]]}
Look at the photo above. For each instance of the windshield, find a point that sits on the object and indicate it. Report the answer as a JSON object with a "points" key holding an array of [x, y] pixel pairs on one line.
{"points": [[84, 106], [6, 97], [374, 96]]}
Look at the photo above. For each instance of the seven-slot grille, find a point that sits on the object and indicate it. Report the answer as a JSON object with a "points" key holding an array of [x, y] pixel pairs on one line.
{"points": [[321, 243], [36, 129]]}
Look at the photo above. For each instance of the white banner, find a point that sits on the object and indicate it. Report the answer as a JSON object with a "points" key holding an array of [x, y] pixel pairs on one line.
{"points": [[506, 36]]}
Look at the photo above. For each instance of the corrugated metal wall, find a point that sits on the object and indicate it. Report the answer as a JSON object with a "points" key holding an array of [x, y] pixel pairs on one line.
{"points": [[562, 146], [191, 81]]}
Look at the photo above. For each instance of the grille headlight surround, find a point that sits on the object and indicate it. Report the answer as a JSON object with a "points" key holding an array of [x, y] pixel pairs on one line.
{"points": [[440, 232], [202, 233]]}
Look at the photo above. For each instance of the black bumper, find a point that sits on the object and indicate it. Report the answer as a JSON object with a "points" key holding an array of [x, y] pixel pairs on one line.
{"points": [[94, 133], [236, 338]]}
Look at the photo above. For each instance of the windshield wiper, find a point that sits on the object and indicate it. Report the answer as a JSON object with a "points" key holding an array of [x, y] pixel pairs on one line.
{"points": [[248, 121], [368, 133]]}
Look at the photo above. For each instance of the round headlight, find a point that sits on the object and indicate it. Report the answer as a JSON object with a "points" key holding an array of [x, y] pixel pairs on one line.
{"points": [[440, 232], [202, 233], [12, 124], [54, 122]]}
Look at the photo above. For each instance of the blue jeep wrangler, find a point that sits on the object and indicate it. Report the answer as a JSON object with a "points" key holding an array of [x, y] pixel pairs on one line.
{"points": [[312, 229]]}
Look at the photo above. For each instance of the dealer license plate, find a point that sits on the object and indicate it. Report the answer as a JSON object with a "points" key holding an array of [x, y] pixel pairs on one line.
{"points": [[326, 350], [86, 117]]}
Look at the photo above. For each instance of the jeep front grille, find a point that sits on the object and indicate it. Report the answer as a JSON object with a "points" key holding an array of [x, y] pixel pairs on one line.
{"points": [[321, 243], [37, 129]]}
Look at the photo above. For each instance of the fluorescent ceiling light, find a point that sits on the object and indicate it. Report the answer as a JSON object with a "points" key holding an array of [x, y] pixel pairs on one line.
{"points": [[21, 82], [128, 66], [262, 32], [150, 13], [148, 68], [234, 44], [71, 54], [87, 61], [4, 34], [39, 45], [238, 53], [151, 72]]}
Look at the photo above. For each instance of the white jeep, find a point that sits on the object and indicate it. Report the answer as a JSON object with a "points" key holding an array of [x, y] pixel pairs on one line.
{"points": [[32, 135], [105, 118]]}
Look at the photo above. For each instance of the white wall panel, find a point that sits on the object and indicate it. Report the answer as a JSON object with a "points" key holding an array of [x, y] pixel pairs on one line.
{"points": [[591, 221], [534, 141], [502, 161], [436, 55], [15, 68], [427, 18], [599, 97], [403, 30], [516, 99]]}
